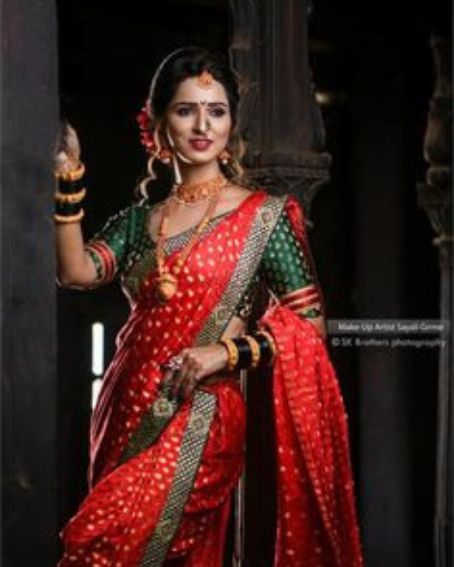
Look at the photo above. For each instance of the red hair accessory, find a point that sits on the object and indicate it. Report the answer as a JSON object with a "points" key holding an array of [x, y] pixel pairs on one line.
{"points": [[146, 129]]}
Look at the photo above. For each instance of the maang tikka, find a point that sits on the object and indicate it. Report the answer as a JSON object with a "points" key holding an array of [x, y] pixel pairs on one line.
{"points": [[205, 80]]}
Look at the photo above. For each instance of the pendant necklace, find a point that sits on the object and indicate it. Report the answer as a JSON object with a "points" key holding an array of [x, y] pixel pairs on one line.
{"points": [[167, 280]]}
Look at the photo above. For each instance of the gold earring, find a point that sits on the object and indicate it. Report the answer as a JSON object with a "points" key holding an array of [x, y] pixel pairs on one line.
{"points": [[164, 155], [225, 156]]}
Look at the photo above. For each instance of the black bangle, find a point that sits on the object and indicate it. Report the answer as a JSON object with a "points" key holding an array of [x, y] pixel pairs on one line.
{"points": [[266, 351], [244, 352], [67, 209], [69, 187]]}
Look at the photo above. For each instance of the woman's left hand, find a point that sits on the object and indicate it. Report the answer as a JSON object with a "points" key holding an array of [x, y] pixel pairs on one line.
{"points": [[198, 363]]}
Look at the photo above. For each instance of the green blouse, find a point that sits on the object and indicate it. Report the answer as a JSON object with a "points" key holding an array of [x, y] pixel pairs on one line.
{"points": [[284, 267]]}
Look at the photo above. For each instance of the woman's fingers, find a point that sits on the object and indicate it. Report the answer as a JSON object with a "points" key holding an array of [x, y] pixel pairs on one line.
{"points": [[67, 148], [185, 380], [194, 364], [167, 378], [179, 377], [191, 382], [72, 141]]}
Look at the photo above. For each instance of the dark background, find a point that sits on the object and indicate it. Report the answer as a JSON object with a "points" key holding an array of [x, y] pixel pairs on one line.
{"points": [[373, 65]]}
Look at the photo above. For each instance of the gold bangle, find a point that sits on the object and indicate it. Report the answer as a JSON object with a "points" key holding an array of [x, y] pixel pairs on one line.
{"points": [[70, 197], [232, 351], [271, 342], [255, 350], [73, 175], [62, 219]]}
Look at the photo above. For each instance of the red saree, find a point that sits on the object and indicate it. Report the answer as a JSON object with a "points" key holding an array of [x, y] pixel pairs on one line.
{"points": [[160, 493]]}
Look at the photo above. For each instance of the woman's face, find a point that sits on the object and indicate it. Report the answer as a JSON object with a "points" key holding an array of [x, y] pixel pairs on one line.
{"points": [[198, 120]]}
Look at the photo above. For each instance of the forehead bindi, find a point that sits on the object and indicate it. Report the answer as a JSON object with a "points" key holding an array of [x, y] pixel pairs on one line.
{"points": [[191, 92]]}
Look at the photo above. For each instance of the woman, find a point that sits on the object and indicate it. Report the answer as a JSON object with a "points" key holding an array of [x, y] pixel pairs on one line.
{"points": [[167, 434]]}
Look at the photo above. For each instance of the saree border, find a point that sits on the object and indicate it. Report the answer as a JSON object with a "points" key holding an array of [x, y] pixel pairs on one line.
{"points": [[194, 440], [262, 226], [152, 424]]}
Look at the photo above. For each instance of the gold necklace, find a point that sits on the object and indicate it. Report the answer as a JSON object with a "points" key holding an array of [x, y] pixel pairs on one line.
{"points": [[191, 193], [166, 281]]}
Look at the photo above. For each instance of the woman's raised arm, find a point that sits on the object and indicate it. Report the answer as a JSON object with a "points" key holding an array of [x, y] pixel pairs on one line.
{"points": [[75, 267]]}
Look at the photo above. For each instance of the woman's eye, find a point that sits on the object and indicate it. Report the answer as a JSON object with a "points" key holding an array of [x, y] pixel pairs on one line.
{"points": [[183, 111], [218, 112]]}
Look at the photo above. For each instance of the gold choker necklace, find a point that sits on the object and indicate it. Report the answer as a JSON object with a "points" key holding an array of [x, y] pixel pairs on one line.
{"points": [[196, 192]]}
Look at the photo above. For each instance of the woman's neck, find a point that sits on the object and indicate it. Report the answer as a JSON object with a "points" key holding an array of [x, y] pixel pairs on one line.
{"points": [[199, 173]]}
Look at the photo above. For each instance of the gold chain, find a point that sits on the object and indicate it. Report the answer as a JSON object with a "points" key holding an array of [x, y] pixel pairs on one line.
{"points": [[166, 284]]}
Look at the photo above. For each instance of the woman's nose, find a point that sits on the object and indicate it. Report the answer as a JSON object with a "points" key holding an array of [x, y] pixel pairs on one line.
{"points": [[201, 124]]}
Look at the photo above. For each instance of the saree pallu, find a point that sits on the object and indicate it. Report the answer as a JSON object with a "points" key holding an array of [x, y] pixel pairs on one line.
{"points": [[160, 485], [317, 522]]}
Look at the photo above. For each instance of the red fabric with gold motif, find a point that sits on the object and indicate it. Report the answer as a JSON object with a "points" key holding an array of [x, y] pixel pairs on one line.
{"points": [[317, 522], [114, 523]]}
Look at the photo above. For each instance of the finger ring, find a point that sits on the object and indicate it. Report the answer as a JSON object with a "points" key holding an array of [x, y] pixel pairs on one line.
{"points": [[175, 363]]}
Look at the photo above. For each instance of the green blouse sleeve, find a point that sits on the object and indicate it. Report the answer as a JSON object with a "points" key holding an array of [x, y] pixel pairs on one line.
{"points": [[111, 247], [287, 265]]}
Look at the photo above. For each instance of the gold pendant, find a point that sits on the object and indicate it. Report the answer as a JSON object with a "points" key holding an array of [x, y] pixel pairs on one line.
{"points": [[166, 286]]}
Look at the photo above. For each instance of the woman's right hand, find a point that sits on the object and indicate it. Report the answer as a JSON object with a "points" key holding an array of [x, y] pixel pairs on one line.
{"points": [[67, 149], [75, 268]]}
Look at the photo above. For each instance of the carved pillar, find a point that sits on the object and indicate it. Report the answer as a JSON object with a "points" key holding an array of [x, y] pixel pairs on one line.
{"points": [[282, 126], [279, 118], [29, 117], [434, 195]]}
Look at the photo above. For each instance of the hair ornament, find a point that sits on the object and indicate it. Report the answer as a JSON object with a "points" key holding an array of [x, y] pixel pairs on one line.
{"points": [[205, 80], [147, 137]]}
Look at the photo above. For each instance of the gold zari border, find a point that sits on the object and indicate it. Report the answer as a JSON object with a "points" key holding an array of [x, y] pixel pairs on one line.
{"points": [[194, 440]]}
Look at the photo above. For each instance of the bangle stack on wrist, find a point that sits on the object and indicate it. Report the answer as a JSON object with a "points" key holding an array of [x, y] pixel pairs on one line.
{"points": [[69, 195], [249, 351]]}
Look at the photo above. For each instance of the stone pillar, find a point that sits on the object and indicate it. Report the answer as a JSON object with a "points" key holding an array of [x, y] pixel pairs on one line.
{"points": [[280, 120], [28, 353], [435, 196], [385, 473], [283, 130]]}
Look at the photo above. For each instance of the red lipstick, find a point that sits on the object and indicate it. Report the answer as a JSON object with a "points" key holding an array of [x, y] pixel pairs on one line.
{"points": [[200, 144]]}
